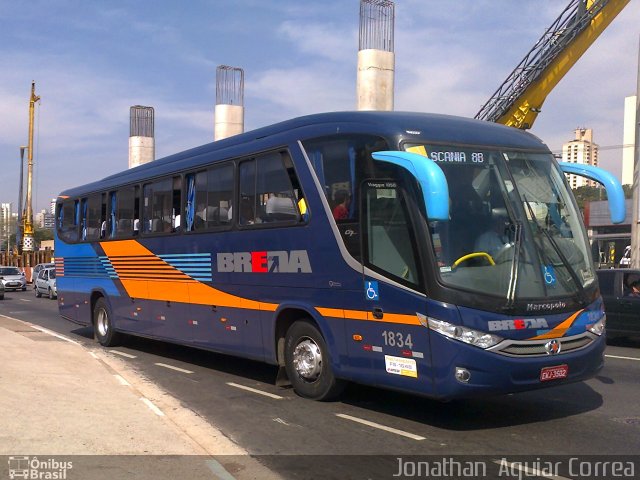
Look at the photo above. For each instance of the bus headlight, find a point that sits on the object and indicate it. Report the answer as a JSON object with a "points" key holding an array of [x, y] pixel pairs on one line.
{"points": [[463, 334], [598, 327]]}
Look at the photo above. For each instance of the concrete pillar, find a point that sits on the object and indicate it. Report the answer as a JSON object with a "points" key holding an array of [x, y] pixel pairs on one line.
{"points": [[376, 69], [141, 150], [228, 121], [142, 144]]}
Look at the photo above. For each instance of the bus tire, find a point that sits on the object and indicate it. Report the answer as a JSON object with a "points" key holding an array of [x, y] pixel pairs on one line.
{"points": [[308, 364], [103, 329]]}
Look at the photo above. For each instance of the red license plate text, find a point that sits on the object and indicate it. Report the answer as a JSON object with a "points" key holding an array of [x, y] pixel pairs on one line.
{"points": [[554, 373]]}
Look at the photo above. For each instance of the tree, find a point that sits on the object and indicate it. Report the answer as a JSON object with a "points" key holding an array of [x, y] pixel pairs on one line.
{"points": [[593, 194]]}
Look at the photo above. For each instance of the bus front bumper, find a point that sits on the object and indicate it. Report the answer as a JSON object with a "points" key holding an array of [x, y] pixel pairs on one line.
{"points": [[465, 371]]}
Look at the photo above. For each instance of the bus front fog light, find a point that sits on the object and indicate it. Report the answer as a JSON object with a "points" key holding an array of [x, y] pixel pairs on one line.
{"points": [[463, 375]]}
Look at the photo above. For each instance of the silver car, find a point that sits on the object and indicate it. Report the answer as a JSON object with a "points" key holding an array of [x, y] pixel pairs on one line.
{"points": [[36, 271], [13, 278], [45, 283]]}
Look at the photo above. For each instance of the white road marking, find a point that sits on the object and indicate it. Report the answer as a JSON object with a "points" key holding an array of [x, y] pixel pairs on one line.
{"points": [[623, 358], [177, 369], [255, 390], [122, 354], [122, 381], [153, 408], [53, 334], [25, 300], [381, 427], [94, 355], [533, 472]]}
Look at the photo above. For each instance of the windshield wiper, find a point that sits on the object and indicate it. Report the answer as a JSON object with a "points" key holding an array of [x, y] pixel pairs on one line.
{"points": [[563, 259], [515, 263]]}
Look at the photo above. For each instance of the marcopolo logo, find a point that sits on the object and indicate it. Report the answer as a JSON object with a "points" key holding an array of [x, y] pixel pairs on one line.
{"points": [[35, 468], [295, 261], [518, 324]]}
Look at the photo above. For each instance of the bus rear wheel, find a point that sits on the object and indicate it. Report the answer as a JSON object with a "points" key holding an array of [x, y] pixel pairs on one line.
{"points": [[308, 364], [103, 325]]}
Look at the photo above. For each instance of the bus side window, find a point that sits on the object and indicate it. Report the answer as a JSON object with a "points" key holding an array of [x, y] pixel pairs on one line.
{"points": [[93, 221], [157, 207], [247, 210], [176, 202], [125, 212], [209, 195], [341, 162], [274, 190], [83, 219], [67, 220]]}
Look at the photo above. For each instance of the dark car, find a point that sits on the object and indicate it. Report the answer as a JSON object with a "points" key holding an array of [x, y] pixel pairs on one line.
{"points": [[621, 303]]}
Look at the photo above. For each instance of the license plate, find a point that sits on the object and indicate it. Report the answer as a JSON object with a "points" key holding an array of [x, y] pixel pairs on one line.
{"points": [[554, 373]]}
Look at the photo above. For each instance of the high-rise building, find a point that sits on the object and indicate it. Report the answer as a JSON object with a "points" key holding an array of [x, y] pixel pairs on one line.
{"points": [[52, 206], [44, 219], [582, 150], [5, 221], [628, 139]]}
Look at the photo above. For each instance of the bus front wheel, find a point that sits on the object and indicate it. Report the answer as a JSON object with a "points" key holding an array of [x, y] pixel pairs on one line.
{"points": [[308, 365], [103, 325]]}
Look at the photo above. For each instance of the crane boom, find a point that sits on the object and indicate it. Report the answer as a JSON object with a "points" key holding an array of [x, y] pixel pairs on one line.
{"points": [[519, 99]]}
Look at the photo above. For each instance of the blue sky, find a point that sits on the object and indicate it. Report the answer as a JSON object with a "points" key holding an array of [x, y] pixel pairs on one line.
{"points": [[92, 60]]}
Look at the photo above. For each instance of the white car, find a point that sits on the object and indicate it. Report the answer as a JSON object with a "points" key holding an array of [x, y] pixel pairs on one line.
{"points": [[13, 278], [45, 283]]}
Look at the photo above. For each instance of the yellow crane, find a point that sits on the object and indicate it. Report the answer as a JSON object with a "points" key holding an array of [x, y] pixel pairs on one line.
{"points": [[27, 215], [519, 99]]}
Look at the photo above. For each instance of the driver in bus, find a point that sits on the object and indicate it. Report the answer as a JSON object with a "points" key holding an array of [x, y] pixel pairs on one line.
{"points": [[494, 239]]}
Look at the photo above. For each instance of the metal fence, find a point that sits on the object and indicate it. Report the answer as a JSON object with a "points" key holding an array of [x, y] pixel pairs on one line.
{"points": [[141, 121], [229, 85], [376, 25]]}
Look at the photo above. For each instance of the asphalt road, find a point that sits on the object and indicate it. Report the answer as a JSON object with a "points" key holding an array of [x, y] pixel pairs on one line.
{"points": [[598, 417]]}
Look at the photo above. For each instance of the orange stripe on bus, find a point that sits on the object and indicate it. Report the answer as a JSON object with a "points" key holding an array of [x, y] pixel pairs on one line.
{"points": [[560, 329], [179, 287]]}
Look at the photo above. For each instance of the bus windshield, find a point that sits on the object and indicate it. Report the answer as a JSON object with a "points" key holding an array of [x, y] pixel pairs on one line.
{"points": [[513, 229]]}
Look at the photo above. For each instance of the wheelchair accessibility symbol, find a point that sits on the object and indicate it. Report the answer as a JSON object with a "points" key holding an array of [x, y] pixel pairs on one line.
{"points": [[371, 290], [549, 274]]}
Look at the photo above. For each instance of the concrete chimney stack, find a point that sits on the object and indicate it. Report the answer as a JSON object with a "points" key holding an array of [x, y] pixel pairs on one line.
{"points": [[142, 146], [376, 59], [229, 111]]}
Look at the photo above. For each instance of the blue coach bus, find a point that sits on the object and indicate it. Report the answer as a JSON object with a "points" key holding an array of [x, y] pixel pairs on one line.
{"points": [[424, 253]]}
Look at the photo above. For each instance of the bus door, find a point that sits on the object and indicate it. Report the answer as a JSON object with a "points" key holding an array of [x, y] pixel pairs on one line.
{"points": [[394, 346]]}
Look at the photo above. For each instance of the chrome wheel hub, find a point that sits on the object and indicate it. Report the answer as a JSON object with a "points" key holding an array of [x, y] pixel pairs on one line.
{"points": [[307, 359], [102, 323]]}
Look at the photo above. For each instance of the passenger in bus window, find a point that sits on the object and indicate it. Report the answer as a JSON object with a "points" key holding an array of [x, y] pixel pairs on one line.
{"points": [[633, 282], [343, 200]]}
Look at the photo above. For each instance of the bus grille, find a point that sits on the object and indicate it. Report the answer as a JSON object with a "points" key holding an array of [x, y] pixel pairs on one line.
{"points": [[535, 348]]}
